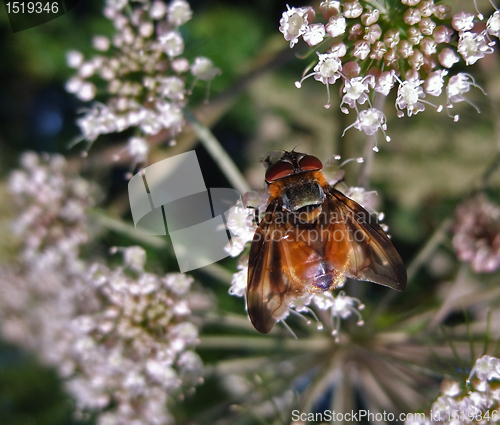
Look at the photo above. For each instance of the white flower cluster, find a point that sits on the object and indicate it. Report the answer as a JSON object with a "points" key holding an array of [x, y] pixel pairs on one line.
{"points": [[120, 338], [373, 47], [53, 203], [481, 404], [143, 72]]}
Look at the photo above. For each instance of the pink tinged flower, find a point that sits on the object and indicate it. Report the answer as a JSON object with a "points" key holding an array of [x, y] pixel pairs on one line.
{"points": [[427, 26], [391, 57], [328, 68], [314, 34], [74, 58], [428, 46], [361, 49], [416, 59], [458, 85], [352, 9], [405, 49], [86, 91], [486, 369], [391, 39], [370, 17], [429, 64], [385, 82], [447, 57], [329, 8], [412, 16], [373, 33], [338, 49], [434, 82], [410, 3], [442, 11], [356, 91], [473, 47], [493, 24], [179, 12], [414, 35], [369, 121], [294, 23], [442, 34], [355, 32], [351, 69], [172, 43], [409, 94], [180, 65], [462, 21], [426, 8], [327, 71], [378, 50], [157, 10], [336, 26], [412, 75]]}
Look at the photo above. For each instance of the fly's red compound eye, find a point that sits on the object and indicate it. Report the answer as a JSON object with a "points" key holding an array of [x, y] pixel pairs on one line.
{"points": [[278, 171], [310, 163]]}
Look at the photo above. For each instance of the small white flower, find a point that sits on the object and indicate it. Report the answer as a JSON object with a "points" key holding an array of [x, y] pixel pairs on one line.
{"points": [[409, 94], [447, 57], [473, 47], [486, 369], [157, 10], [86, 91], [239, 281], [172, 43], [434, 82], [179, 12], [329, 8], [172, 88], [101, 43], [385, 82], [458, 85], [149, 122], [294, 23], [170, 116], [336, 26], [74, 58], [138, 149], [356, 90], [493, 24], [361, 49], [204, 69], [463, 21], [328, 68], [369, 121], [352, 9], [314, 34], [370, 17]]}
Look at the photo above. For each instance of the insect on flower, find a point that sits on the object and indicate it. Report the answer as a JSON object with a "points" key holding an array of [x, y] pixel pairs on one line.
{"points": [[309, 239]]}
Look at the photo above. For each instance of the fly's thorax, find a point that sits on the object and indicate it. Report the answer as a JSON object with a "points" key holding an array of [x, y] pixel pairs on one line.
{"points": [[303, 197]]}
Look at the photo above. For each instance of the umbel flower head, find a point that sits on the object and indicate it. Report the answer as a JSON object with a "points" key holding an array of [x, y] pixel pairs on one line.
{"points": [[477, 234], [376, 46], [140, 71]]}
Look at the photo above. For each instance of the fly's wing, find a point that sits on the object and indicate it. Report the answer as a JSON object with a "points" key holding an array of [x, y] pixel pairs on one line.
{"points": [[277, 268], [372, 257]]}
